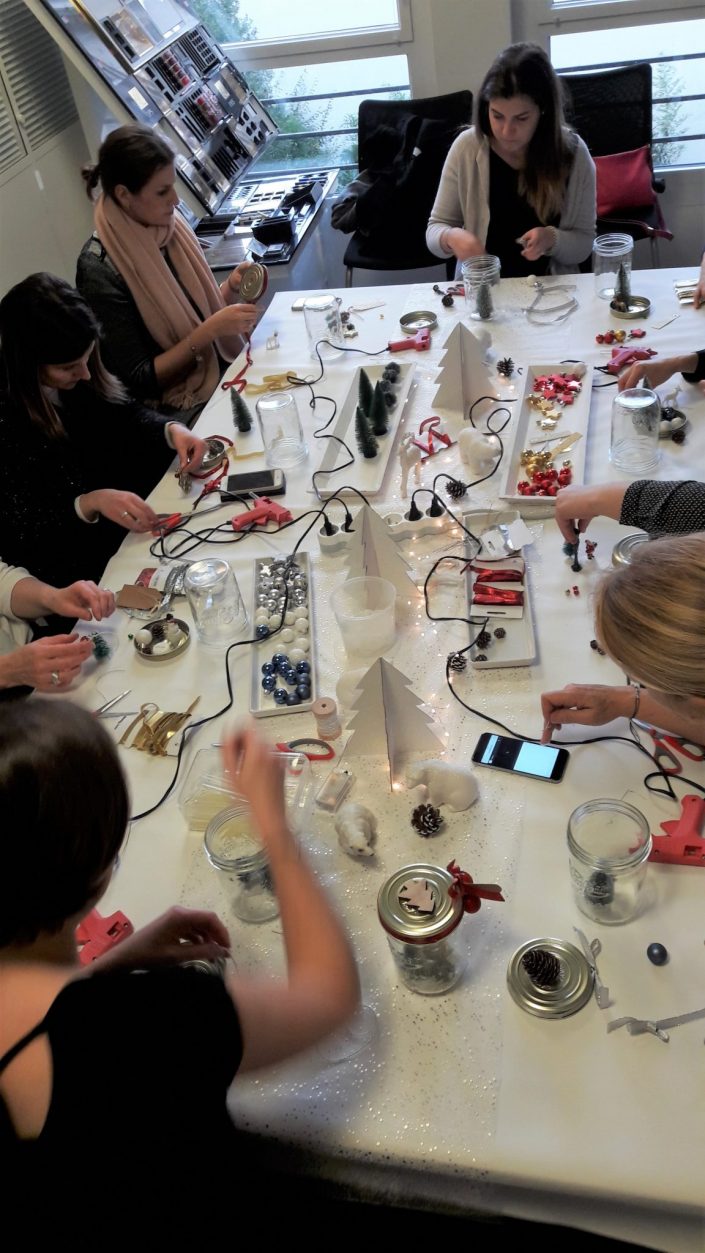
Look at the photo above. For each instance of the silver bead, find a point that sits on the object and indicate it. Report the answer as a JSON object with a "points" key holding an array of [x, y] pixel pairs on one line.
{"points": [[262, 598]]}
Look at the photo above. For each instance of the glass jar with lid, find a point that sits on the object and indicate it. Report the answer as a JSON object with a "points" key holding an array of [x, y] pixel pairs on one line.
{"points": [[609, 843], [232, 846], [422, 918], [480, 280]]}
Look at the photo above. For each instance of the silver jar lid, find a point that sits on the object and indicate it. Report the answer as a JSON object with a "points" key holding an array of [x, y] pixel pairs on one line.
{"points": [[624, 549], [415, 904], [572, 990]]}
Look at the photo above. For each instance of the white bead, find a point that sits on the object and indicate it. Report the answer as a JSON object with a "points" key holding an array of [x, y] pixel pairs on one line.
{"points": [[301, 642], [274, 620], [287, 635], [301, 626], [289, 618], [302, 611], [261, 616], [297, 654]]}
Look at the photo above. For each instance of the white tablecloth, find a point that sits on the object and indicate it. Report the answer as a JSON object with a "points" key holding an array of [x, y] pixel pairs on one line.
{"points": [[462, 1099]]}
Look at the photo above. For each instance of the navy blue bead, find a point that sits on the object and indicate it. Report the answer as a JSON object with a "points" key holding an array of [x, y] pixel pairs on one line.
{"points": [[291, 677], [280, 696], [278, 658], [267, 667], [292, 698], [303, 667], [262, 631], [658, 954], [269, 682], [303, 690]]}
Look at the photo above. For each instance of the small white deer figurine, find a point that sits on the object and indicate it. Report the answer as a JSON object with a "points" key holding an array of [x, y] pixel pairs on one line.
{"points": [[409, 456]]}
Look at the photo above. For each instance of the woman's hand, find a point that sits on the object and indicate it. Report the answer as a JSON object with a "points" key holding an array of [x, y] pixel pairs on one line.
{"points": [[589, 705], [257, 773], [656, 371], [699, 295], [189, 448], [34, 664], [536, 242], [179, 935], [81, 600], [240, 319], [124, 508], [576, 506], [463, 243]]}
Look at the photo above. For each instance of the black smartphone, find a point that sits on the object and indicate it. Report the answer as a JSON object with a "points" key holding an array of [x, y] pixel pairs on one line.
{"points": [[540, 761], [261, 482]]}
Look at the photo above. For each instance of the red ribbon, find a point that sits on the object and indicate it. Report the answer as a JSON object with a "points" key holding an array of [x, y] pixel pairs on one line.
{"points": [[473, 894], [239, 382]]}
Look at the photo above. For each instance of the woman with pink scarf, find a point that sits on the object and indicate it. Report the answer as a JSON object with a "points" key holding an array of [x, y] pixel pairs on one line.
{"points": [[169, 329]]}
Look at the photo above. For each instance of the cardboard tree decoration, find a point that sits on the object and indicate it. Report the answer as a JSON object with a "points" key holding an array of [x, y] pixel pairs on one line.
{"points": [[463, 377], [387, 720], [372, 552]]}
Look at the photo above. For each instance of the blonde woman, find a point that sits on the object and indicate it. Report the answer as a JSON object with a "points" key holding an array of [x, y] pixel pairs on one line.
{"points": [[518, 184], [650, 619]]}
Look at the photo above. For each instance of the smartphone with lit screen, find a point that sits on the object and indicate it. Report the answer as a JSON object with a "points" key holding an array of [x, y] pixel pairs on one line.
{"points": [[538, 761]]}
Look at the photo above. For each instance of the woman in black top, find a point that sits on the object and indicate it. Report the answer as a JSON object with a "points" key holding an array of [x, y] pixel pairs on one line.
{"points": [[128, 1062], [67, 428]]}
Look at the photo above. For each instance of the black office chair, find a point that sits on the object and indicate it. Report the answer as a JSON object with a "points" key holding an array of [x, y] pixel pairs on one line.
{"points": [[407, 190], [612, 112]]}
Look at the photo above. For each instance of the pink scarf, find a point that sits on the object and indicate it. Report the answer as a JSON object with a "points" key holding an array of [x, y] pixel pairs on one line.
{"points": [[169, 316]]}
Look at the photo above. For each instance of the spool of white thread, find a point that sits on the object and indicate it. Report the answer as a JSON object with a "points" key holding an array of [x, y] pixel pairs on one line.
{"points": [[325, 711]]}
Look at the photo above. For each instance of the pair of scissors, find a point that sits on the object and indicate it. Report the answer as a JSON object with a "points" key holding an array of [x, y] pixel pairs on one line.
{"points": [[666, 746]]}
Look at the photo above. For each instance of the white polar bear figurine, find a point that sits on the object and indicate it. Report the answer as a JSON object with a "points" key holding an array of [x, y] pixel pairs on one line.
{"points": [[445, 783], [357, 830], [477, 451]]}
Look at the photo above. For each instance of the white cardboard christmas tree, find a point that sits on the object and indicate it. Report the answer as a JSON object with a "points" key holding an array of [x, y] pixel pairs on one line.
{"points": [[373, 552], [388, 721], [464, 377]]}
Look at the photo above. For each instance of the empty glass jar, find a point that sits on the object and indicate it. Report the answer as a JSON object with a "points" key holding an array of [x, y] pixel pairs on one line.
{"points": [[609, 843], [422, 923], [636, 423], [231, 846], [609, 252], [215, 601]]}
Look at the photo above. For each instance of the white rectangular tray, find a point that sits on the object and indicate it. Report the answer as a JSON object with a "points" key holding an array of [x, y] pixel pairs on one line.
{"points": [[366, 475], [576, 417], [518, 648], [261, 704]]}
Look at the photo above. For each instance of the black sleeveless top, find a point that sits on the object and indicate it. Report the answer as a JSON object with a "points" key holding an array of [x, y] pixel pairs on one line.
{"points": [[511, 216]]}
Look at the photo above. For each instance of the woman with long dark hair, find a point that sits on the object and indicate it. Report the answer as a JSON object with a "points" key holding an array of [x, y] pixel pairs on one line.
{"points": [[171, 329], [66, 429], [118, 1073], [518, 184]]}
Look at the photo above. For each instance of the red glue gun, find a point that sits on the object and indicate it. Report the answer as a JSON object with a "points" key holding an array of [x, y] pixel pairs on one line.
{"points": [[421, 341], [263, 511]]}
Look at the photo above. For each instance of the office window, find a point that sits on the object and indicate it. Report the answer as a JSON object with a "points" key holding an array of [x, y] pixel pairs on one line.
{"points": [[286, 51]]}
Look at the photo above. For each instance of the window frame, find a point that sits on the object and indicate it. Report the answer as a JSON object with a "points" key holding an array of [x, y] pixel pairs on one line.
{"points": [[307, 50]]}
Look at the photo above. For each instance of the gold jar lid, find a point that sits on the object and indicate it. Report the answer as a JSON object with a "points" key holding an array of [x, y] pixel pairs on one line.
{"points": [[571, 991]]}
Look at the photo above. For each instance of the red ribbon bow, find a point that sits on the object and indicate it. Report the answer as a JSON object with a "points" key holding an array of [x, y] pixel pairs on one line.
{"points": [[473, 894]]}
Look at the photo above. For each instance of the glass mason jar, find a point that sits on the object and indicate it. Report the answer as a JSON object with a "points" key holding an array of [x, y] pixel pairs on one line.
{"points": [[480, 276], [609, 252], [215, 601], [231, 846], [636, 423], [422, 921], [609, 843]]}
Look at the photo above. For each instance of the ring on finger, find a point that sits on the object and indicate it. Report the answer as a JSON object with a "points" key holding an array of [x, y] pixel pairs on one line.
{"points": [[55, 678]]}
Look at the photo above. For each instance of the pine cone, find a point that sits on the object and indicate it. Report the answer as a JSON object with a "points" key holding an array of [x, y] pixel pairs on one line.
{"points": [[599, 889], [505, 367], [499, 633], [427, 820], [484, 639], [457, 662], [456, 489], [543, 968]]}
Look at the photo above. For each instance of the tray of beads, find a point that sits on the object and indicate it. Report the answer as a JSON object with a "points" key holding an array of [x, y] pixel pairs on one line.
{"points": [[381, 392], [550, 436], [498, 590], [283, 661]]}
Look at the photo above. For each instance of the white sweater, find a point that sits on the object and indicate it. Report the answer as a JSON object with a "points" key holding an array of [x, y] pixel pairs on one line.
{"points": [[463, 199], [13, 631]]}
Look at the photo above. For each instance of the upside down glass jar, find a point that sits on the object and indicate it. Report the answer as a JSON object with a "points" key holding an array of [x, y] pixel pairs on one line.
{"points": [[232, 847], [422, 922], [609, 843]]}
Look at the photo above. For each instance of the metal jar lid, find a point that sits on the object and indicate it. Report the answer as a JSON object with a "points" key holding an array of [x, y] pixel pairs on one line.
{"points": [[254, 282], [573, 989], [415, 904], [216, 450], [418, 320], [624, 549]]}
